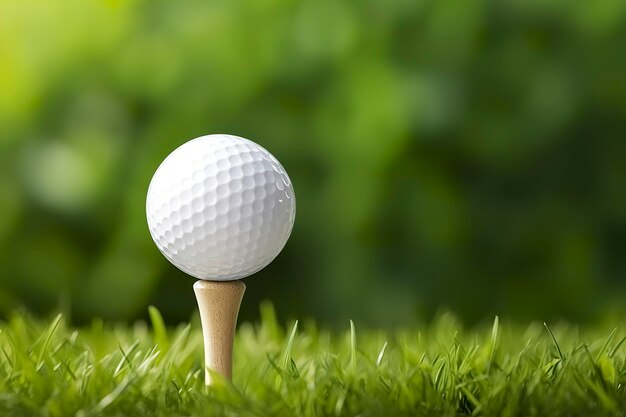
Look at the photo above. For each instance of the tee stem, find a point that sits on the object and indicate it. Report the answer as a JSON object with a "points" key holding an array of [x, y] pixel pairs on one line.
{"points": [[218, 302]]}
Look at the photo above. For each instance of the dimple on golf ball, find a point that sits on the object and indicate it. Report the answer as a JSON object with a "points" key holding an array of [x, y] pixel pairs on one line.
{"points": [[220, 207]]}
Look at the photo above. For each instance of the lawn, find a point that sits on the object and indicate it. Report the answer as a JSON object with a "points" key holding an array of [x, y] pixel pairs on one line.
{"points": [[48, 368]]}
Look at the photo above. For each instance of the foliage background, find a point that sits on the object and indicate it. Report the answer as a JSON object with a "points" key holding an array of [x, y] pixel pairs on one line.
{"points": [[460, 154]]}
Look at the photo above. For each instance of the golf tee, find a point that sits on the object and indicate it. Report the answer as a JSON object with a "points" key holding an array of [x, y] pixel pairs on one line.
{"points": [[218, 302]]}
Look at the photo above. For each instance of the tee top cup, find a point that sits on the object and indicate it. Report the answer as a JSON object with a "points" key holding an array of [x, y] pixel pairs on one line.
{"points": [[220, 208]]}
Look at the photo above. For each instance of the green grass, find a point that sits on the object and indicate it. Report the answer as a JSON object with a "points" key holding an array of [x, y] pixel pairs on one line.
{"points": [[50, 369]]}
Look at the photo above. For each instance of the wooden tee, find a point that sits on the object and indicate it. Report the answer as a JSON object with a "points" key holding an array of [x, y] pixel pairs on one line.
{"points": [[219, 303]]}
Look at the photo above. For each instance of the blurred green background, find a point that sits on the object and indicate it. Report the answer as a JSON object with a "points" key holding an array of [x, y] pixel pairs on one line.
{"points": [[465, 154]]}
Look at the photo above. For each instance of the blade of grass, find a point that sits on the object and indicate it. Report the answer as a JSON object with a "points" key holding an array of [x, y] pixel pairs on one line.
{"points": [[495, 330], [51, 329], [616, 348], [556, 344], [606, 344], [379, 359], [160, 331], [287, 354], [352, 347]]}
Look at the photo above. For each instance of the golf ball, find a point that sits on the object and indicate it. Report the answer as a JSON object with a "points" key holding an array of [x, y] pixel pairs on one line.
{"points": [[220, 207]]}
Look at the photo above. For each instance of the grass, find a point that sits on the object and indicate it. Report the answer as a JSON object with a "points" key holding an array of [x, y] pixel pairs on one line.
{"points": [[50, 369]]}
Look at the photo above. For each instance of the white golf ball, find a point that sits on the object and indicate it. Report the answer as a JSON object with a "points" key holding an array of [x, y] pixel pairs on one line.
{"points": [[220, 207]]}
